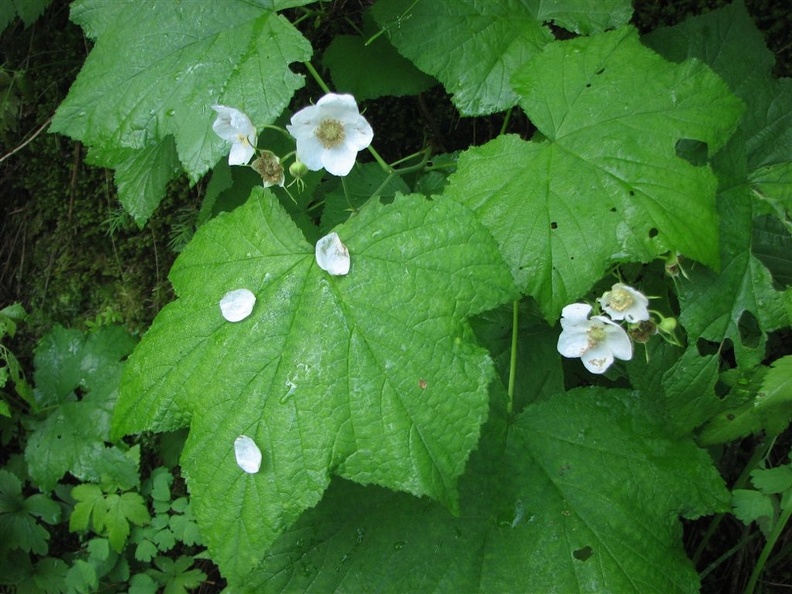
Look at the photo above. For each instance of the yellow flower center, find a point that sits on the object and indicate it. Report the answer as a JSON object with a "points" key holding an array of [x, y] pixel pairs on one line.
{"points": [[620, 300], [596, 334], [330, 133]]}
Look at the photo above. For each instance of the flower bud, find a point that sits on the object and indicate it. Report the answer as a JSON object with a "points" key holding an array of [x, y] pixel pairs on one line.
{"points": [[667, 325], [298, 169]]}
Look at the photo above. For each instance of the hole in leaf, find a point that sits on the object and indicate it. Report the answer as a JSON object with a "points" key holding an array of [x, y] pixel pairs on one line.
{"points": [[750, 333], [693, 151], [707, 347], [588, 85], [725, 351], [583, 553], [600, 71], [554, 225], [653, 232], [613, 209], [632, 192]]}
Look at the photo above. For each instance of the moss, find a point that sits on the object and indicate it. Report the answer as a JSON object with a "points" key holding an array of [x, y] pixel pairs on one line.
{"points": [[70, 255]]}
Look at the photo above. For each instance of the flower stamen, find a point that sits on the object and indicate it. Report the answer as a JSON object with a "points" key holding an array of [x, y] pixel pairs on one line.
{"points": [[330, 133]]}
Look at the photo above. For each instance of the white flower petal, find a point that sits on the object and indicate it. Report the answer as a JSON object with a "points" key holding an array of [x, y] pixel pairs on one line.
{"points": [[576, 312], [598, 358], [240, 153], [310, 150], [573, 343], [338, 105], [332, 255], [619, 342], [235, 127], [359, 134], [237, 305], [247, 454], [339, 161]]}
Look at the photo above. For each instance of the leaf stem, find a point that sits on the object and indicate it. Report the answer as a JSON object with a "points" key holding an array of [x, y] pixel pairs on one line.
{"points": [[385, 167], [513, 356], [779, 527], [279, 129], [317, 77], [506, 120]]}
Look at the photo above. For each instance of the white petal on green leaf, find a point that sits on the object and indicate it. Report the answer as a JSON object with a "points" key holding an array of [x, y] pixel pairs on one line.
{"points": [[237, 305], [247, 454], [332, 255]]}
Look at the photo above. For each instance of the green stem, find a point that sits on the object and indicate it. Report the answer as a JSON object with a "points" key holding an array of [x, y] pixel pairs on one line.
{"points": [[277, 128], [384, 184], [424, 154], [513, 356], [506, 120], [397, 20], [728, 554], [385, 167], [742, 480], [317, 77], [768, 548]]}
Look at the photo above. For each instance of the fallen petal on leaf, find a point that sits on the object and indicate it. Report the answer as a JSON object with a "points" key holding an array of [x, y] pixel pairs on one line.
{"points": [[247, 453], [332, 255], [237, 305]]}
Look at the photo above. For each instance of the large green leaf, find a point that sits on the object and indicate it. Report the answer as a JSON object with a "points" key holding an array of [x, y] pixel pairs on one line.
{"points": [[157, 68], [471, 46], [474, 46], [729, 42], [373, 376], [581, 496], [605, 183], [723, 306]]}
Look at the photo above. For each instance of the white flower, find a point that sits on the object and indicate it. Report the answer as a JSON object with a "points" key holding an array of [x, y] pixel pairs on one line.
{"points": [[330, 134], [625, 303], [247, 454], [332, 255], [237, 305], [235, 127], [596, 341]]}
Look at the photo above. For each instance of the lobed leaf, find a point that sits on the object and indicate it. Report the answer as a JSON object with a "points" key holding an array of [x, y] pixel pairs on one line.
{"points": [[555, 502], [606, 183], [155, 72], [751, 173], [472, 47], [373, 376]]}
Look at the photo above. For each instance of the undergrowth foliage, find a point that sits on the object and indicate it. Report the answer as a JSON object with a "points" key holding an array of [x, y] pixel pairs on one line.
{"points": [[367, 355]]}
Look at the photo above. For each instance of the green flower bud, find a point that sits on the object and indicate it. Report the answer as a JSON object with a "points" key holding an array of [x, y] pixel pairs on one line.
{"points": [[667, 325], [298, 169]]}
